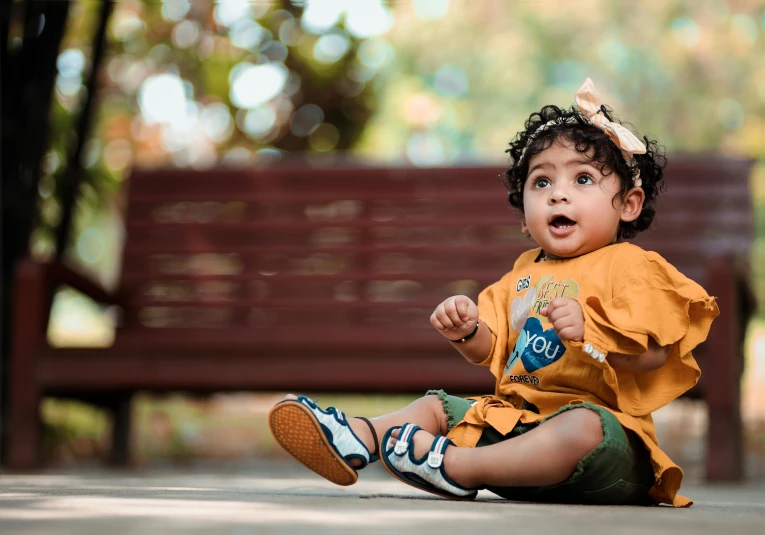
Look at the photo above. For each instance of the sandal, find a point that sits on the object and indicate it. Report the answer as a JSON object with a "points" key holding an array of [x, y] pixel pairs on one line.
{"points": [[320, 439], [426, 473]]}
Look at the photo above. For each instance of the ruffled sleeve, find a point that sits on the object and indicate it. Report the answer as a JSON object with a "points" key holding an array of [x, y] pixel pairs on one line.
{"points": [[650, 299]]}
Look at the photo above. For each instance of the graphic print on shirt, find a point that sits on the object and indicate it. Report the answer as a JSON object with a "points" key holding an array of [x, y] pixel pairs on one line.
{"points": [[537, 347]]}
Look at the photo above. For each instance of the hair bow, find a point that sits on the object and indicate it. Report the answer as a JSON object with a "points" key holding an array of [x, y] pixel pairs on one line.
{"points": [[589, 102]]}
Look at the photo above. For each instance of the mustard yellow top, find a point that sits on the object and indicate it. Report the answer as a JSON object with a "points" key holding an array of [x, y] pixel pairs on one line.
{"points": [[627, 294]]}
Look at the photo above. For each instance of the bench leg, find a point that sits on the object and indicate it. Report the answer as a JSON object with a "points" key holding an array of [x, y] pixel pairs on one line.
{"points": [[122, 421], [25, 426], [722, 368], [30, 309]]}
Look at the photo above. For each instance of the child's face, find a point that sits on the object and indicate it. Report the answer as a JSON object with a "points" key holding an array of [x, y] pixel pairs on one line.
{"points": [[570, 208]]}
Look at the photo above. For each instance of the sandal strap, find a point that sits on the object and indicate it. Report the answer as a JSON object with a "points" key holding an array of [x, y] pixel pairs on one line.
{"points": [[375, 440], [437, 450], [404, 437]]}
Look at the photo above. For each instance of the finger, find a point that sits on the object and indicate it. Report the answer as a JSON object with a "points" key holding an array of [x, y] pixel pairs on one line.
{"points": [[461, 303], [552, 306], [444, 318], [435, 323], [451, 310], [564, 334], [557, 314], [472, 311], [563, 323], [558, 302], [570, 333]]}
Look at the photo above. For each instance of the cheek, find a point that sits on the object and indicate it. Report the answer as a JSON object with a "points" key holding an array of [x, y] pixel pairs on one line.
{"points": [[533, 212], [606, 222]]}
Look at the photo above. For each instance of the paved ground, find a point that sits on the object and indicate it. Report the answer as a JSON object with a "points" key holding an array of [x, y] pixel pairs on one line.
{"points": [[282, 497]]}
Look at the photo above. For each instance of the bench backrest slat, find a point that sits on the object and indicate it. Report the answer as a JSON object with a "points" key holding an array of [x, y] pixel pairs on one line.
{"points": [[268, 250]]}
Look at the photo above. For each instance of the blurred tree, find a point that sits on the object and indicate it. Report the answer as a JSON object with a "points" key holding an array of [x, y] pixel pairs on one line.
{"points": [[32, 32]]}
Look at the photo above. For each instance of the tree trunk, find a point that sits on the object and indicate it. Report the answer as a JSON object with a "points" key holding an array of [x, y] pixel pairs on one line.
{"points": [[72, 177], [28, 77]]}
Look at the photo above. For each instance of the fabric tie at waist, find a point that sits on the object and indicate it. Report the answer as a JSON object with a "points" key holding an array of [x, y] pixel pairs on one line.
{"points": [[487, 412]]}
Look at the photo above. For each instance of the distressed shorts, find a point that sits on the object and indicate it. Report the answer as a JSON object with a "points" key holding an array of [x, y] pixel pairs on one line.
{"points": [[617, 472]]}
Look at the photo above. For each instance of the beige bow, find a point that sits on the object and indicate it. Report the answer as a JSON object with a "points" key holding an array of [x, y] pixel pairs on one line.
{"points": [[589, 102]]}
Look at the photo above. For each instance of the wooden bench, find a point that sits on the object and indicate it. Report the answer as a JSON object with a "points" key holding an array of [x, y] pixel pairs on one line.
{"points": [[300, 279]]}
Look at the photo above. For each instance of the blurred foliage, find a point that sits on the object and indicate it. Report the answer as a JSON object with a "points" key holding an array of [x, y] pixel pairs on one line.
{"points": [[73, 430], [690, 74], [199, 84]]}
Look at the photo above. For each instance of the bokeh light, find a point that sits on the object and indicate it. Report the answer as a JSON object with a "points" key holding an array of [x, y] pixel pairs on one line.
{"points": [[253, 85], [451, 81], [227, 12], [162, 99], [731, 113], [686, 31], [91, 245], [258, 122], [248, 34], [186, 33], [321, 15], [430, 9], [175, 10], [425, 150], [368, 18], [375, 53], [306, 119], [330, 48], [217, 122]]}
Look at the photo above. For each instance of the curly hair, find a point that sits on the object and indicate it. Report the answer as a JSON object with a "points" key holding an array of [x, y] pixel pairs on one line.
{"points": [[596, 145]]}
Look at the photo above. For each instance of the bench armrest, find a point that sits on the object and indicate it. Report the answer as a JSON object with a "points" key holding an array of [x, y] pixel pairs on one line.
{"points": [[60, 273]]}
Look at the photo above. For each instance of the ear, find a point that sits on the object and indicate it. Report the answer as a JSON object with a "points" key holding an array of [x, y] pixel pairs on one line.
{"points": [[633, 204], [524, 227]]}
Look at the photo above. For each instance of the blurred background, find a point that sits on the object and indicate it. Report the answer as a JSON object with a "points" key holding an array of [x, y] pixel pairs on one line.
{"points": [[425, 83]]}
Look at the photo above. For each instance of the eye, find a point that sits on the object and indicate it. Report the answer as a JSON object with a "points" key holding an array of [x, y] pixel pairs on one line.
{"points": [[584, 180], [540, 183]]}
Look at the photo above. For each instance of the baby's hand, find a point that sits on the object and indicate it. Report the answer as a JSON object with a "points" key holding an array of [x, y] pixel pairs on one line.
{"points": [[567, 318], [456, 317]]}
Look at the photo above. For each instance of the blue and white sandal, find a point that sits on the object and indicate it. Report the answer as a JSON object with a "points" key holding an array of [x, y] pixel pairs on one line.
{"points": [[320, 439], [426, 473]]}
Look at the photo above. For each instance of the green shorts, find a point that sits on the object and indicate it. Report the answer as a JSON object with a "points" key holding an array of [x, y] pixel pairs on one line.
{"points": [[617, 472]]}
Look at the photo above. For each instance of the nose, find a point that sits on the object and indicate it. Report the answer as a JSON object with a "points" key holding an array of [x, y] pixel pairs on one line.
{"points": [[559, 195]]}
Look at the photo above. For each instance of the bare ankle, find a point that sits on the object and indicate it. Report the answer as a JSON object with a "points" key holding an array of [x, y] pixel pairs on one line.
{"points": [[458, 469]]}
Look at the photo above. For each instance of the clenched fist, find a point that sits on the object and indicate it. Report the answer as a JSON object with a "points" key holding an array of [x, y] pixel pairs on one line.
{"points": [[567, 318], [456, 317]]}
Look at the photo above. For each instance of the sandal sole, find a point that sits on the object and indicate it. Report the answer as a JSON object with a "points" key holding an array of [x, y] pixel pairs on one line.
{"points": [[412, 483], [296, 429]]}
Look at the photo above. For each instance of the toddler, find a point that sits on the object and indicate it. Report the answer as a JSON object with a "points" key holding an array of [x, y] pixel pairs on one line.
{"points": [[586, 336]]}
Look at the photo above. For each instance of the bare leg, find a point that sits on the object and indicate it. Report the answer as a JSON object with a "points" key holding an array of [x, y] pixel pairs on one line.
{"points": [[427, 412], [562, 442]]}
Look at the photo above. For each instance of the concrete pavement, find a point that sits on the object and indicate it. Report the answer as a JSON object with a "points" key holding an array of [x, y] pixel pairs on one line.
{"points": [[281, 496]]}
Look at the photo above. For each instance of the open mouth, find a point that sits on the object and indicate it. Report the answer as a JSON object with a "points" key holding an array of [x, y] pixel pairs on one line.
{"points": [[562, 222]]}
